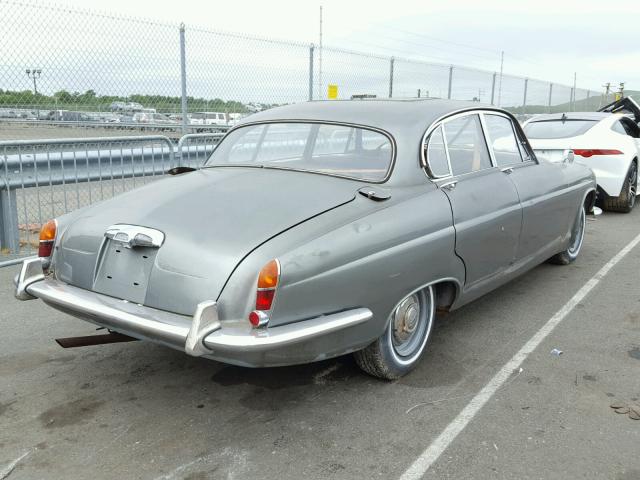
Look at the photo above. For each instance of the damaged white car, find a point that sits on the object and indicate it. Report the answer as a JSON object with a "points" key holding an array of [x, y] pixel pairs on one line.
{"points": [[607, 141]]}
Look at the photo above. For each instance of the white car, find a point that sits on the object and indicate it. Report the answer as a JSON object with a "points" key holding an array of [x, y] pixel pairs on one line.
{"points": [[209, 118], [607, 141]]}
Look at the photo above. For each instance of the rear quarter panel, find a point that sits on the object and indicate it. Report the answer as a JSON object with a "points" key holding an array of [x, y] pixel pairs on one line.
{"points": [[362, 254]]}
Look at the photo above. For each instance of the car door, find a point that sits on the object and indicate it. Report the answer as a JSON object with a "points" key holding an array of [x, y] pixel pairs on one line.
{"points": [[485, 206], [541, 186]]}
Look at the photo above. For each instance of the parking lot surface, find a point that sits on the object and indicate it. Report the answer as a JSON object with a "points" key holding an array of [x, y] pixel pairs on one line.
{"points": [[138, 410]]}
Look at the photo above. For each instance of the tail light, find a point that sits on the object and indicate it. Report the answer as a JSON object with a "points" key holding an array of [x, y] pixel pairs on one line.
{"points": [[47, 238], [267, 283], [590, 152]]}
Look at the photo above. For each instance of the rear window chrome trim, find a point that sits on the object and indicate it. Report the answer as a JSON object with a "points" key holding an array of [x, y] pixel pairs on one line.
{"points": [[388, 135]]}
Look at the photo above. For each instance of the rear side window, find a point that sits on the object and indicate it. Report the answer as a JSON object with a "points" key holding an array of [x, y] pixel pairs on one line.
{"points": [[466, 145], [558, 128], [437, 155], [618, 128], [630, 127], [503, 140]]}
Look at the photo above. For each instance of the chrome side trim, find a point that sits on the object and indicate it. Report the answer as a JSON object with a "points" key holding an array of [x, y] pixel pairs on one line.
{"points": [[30, 272]]}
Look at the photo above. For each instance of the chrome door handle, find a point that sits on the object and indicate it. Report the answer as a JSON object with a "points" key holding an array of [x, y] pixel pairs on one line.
{"points": [[507, 170], [449, 185]]}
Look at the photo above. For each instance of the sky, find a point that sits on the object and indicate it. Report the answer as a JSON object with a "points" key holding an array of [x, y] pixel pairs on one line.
{"points": [[542, 39]]}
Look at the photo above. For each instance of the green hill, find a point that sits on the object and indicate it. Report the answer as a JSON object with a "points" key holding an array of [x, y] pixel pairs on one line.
{"points": [[590, 104]]}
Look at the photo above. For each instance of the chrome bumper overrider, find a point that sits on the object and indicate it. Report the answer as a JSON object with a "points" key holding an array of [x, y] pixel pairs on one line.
{"points": [[202, 334]]}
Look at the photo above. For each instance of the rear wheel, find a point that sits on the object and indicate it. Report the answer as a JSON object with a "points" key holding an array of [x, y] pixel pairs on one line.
{"points": [[575, 244], [402, 344], [625, 202]]}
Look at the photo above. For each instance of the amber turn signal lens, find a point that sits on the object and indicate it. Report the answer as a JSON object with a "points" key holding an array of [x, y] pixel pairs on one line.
{"points": [[48, 231], [47, 237], [269, 274]]}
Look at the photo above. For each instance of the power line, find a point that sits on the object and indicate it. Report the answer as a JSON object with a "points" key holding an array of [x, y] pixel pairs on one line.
{"points": [[413, 54], [443, 41]]}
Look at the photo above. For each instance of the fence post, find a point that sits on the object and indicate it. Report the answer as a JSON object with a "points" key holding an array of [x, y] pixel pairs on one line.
{"points": [[450, 81], [183, 80], [9, 233], [550, 95], [524, 99], [571, 100], [392, 61], [493, 87], [311, 48]]}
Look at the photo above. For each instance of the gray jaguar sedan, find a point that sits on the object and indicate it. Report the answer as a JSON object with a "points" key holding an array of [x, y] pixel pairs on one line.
{"points": [[316, 230]]}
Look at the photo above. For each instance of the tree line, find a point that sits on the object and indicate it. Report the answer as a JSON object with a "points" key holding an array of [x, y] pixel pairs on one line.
{"points": [[91, 101]]}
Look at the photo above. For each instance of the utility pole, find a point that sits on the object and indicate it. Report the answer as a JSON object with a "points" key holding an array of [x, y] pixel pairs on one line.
{"points": [[573, 100], [34, 74], [500, 82], [607, 88], [320, 90]]}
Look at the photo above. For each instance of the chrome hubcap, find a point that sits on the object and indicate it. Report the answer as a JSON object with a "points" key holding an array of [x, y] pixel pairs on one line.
{"points": [[406, 323], [633, 185]]}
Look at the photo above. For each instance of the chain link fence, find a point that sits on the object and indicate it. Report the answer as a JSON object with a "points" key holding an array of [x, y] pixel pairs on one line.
{"points": [[114, 102], [67, 72]]}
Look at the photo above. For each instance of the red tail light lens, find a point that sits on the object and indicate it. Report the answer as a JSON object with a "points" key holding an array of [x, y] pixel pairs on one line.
{"points": [[264, 299], [590, 152], [47, 238]]}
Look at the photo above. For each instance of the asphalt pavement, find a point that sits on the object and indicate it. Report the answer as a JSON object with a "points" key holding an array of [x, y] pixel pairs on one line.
{"points": [[142, 411]]}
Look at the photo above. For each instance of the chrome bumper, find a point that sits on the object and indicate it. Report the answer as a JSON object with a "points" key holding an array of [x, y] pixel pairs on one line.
{"points": [[200, 335]]}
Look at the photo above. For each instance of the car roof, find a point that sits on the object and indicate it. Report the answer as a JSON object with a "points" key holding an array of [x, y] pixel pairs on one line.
{"points": [[391, 115]]}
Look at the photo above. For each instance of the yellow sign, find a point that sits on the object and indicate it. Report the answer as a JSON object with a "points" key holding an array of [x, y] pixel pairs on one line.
{"points": [[332, 92], [618, 96]]}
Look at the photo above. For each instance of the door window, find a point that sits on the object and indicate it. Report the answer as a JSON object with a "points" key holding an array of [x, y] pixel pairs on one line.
{"points": [[437, 155], [466, 145], [503, 140]]}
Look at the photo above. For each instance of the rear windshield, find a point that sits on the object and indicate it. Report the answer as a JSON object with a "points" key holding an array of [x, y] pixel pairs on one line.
{"points": [[558, 128], [314, 147]]}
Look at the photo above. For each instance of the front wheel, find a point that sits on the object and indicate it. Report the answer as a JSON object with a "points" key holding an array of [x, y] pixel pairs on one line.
{"points": [[397, 351], [575, 244]]}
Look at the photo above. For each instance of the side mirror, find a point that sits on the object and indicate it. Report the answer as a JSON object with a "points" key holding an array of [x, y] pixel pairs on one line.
{"points": [[568, 156]]}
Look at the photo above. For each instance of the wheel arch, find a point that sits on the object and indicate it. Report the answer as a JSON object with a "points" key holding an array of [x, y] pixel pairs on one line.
{"points": [[590, 200], [445, 290]]}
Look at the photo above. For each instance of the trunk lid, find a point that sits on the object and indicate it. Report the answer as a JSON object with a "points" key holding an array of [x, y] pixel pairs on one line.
{"points": [[211, 219]]}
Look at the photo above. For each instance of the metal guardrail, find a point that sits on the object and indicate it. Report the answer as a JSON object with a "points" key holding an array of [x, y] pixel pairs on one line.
{"points": [[42, 179], [129, 126], [194, 148]]}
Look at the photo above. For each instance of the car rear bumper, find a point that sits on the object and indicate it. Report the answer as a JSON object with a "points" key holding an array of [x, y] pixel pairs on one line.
{"points": [[610, 171], [201, 335]]}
